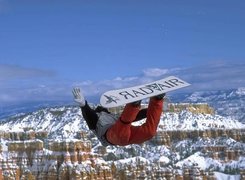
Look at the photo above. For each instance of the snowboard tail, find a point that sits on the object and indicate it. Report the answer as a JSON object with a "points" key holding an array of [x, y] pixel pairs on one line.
{"points": [[120, 97]]}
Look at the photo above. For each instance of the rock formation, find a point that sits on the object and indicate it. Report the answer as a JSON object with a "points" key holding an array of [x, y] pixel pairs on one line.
{"points": [[28, 155]]}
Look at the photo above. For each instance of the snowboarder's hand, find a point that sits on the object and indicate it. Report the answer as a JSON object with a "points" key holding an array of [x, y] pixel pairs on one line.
{"points": [[78, 97]]}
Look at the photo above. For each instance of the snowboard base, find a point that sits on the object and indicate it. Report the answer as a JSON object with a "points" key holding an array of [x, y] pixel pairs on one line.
{"points": [[115, 98]]}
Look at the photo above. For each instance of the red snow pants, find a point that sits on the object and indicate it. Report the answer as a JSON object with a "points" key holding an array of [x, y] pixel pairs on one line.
{"points": [[123, 133]]}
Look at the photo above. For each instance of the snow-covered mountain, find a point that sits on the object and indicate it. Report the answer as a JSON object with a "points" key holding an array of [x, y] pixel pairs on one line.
{"points": [[185, 140], [225, 102], [13, 109], [60, 122], [66, 121], [180, 151]]}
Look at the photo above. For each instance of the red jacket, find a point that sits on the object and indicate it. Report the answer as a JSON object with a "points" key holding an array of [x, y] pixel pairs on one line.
{"points": [[123, 133]]}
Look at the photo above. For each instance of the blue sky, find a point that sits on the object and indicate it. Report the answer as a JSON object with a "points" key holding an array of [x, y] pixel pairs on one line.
{"points": [[49, 46]]}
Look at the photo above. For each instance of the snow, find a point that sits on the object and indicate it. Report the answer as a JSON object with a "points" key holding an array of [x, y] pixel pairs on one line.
{"points": [[241, 91], [225, 102], [223, 176], [189, 121], [193, 159], [164, 159], [63, 124], [132, 161]]}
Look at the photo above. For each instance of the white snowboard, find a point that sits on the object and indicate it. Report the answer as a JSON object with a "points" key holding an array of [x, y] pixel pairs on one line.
{"points": [[120, 97]]}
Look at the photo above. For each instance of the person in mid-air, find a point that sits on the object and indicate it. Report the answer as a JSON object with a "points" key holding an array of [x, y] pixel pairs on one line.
{"points": [[117, 129]]}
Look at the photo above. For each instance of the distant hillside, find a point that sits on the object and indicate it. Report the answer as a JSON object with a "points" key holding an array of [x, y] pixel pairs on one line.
{"points": [[27, 107], [225, 102], [66, 121], [196, 108]]}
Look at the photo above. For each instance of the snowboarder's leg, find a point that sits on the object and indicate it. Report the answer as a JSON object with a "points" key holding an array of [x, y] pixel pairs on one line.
{"points": [[90, 116], [130, 113], [140, 134], [120, 132]]}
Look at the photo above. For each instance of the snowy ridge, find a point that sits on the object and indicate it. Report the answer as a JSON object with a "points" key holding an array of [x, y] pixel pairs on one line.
{"points": [[189, 121], [65, 122], [240, 91], [60, 122], [228, 103]]}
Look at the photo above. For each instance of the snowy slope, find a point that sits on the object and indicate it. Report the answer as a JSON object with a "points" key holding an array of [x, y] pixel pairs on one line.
{"points": [[225, 102], [66, 121], [60, 122], [189, 121]]}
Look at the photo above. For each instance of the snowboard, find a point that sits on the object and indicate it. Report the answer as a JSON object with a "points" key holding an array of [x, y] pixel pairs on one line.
{"points": [[119, 97]]}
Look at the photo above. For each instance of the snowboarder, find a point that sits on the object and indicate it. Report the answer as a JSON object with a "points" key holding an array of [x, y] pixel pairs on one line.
{"points": [[117, 130]]}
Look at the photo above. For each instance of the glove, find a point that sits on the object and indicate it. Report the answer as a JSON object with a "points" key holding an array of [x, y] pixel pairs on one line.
{"points": [[78, 97]]}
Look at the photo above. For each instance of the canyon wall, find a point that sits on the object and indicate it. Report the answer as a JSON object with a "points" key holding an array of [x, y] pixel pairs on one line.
{"points": [[30, 155]]}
